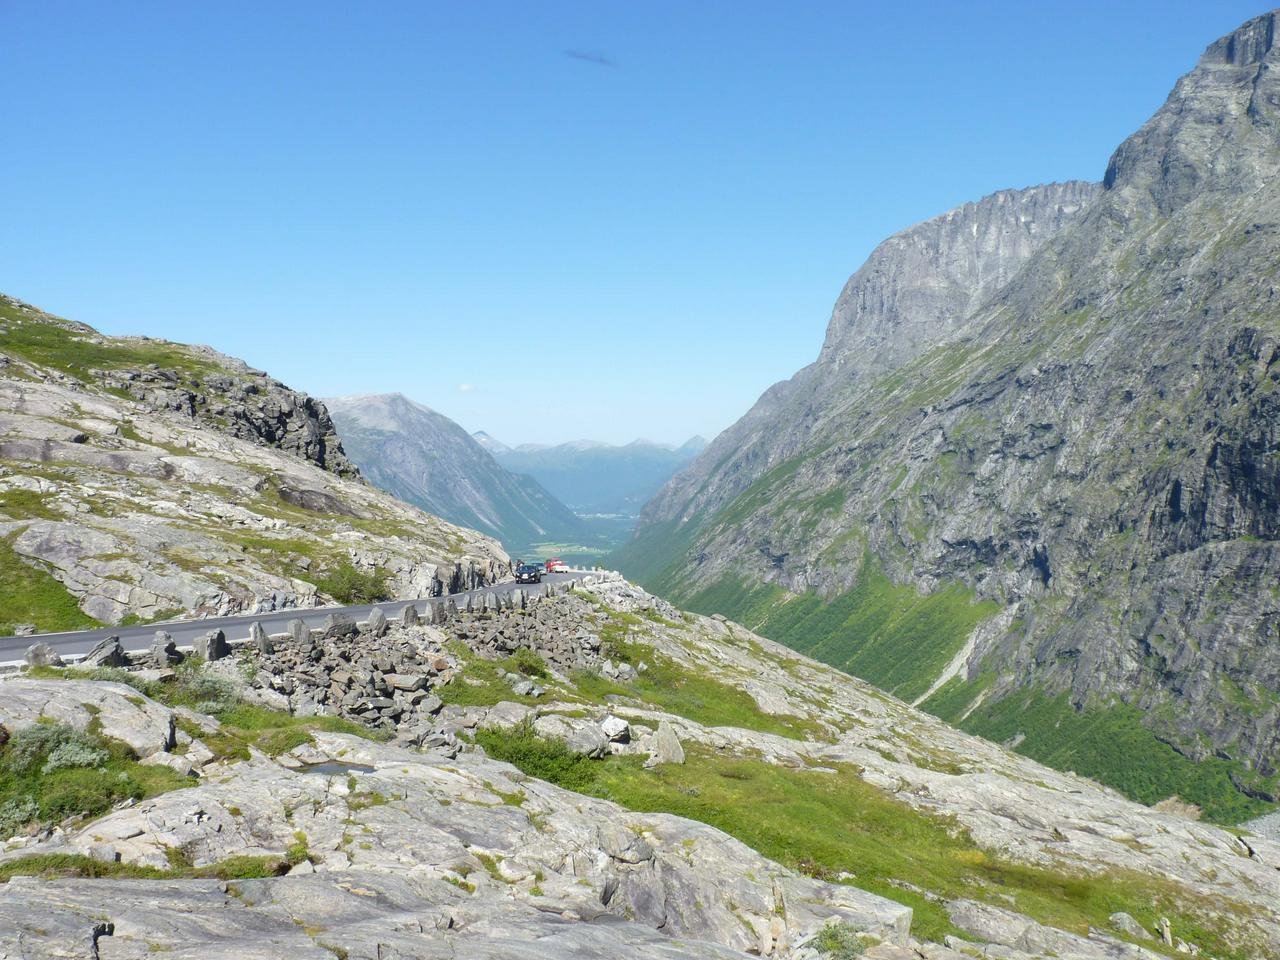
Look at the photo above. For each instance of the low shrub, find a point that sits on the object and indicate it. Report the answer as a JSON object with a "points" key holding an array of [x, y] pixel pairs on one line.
{"points": [[539, 757], [839, 941], [348, 585]]}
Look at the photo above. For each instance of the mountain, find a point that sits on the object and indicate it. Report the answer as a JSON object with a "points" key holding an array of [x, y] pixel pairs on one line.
{"points": [[599, 478], [141, 479], [489, 443], [426, 459], [1032, 481]]}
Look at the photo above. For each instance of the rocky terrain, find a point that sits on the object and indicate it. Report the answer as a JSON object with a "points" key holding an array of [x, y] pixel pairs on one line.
{"points": [[426, 459], [1033, 479], [141, 479], [333, 842]]}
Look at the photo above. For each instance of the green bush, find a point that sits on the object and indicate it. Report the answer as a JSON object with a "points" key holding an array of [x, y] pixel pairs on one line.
{"points": [[72, 754], [348, 585], [40, 741], [539, 757], [16, 814], [839, 941]]}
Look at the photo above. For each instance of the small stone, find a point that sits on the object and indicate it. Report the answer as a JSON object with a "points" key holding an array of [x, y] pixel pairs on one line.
{"points": [[164, 650], [338, 625], [212, 646], [616, 729], [108, 653], [666, 747], [299, 631], [40, 654], [259, 640], [404, 681], [409, 616], [24, 630], [376, 625]]}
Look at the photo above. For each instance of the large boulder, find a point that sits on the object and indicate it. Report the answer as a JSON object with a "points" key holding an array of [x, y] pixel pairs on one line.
{"points": [[376, 625], [260, 640], [164, 650], [122, 713]]}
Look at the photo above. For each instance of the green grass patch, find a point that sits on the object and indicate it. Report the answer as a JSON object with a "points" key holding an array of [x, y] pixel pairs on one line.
{"points": [[827, 823], [1109, 744], [477, 684], [50, 772], [51, 866], [33, 595], [688, 692], [75, 353], [26, 505]]}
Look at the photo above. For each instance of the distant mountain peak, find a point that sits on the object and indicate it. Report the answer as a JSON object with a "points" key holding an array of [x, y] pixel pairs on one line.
{"points": [[489, 442]]}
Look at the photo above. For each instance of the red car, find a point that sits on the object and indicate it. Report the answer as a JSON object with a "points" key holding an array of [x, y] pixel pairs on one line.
{"points": [[554, 564]]}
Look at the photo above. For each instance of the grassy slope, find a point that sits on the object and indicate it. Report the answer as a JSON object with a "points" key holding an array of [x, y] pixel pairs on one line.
{"points": [[74, 353], [888, 634], [31, 595], [1105, 742], [828, 823]]}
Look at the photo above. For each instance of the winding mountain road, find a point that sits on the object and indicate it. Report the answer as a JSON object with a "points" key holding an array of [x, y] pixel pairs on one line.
{"points": [[76, 644]]}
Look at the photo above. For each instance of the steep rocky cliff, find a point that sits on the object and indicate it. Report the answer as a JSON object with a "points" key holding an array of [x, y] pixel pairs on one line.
{"points": [[144, 479], [426, 459], [1041, 495]]}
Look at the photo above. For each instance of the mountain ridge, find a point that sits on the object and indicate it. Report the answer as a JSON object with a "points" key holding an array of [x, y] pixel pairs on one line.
{"points": [[426, 459], [142, 479], [1089, 453]]}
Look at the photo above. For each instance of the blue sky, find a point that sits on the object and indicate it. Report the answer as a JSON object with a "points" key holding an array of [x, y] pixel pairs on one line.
{"points": [[462, 202]]}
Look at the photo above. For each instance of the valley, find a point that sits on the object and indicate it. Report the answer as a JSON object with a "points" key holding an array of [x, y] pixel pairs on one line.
{"points": [[1030, 481], [961, 642]]}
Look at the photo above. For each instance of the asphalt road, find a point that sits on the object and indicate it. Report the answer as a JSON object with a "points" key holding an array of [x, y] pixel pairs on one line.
{"points": [[80, 642]]}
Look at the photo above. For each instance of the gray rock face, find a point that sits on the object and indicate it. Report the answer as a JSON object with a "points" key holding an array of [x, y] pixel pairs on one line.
{"points": [[1066, 399]]}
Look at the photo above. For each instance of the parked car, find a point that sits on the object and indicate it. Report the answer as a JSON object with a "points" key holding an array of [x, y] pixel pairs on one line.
{"points": [[555, 563], [528, 573]]}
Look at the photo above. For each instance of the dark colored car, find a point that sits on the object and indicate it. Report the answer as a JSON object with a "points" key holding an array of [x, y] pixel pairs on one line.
{"points": [[528, 573]]}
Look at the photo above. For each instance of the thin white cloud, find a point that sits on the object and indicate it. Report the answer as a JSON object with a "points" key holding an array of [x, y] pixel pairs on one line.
{"points": [[465, 387]]}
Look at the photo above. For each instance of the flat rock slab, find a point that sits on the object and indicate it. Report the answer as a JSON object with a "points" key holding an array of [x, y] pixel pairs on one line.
{"points": [[305, 918], [123, 713]]}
